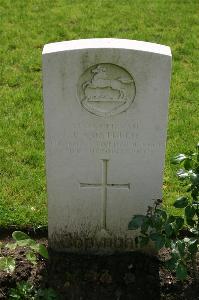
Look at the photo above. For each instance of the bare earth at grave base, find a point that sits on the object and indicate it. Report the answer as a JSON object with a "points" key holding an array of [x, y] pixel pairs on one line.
{"points": [[88, 277]]}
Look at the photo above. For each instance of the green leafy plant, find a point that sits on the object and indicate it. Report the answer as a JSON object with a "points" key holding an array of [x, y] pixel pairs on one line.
{"points": [[165, 230], [26, 291], [7, 263], [23, 291]]}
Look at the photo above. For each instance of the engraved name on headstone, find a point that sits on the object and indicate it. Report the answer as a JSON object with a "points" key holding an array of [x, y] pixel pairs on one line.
{"points": [[105, 104]]}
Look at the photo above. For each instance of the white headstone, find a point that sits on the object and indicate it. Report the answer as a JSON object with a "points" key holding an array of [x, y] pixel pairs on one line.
{"points": [[105, 130]]}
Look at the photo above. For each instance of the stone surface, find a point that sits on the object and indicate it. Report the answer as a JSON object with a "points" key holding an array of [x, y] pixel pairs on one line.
{"points": [[105, 106]]}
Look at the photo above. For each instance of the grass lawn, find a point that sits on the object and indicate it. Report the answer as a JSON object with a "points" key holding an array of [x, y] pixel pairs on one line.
{"points": [[25, 26]]}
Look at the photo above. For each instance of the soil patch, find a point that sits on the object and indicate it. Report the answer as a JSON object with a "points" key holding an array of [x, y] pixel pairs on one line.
{"points": [[129, 276]]}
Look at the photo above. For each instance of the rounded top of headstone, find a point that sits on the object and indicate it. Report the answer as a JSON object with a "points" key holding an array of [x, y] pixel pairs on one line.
{"points": [[104, 43]]}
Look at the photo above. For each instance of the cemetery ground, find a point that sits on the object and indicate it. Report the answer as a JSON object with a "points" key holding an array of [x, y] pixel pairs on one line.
{"points": [[74, 276], [25, 27]]}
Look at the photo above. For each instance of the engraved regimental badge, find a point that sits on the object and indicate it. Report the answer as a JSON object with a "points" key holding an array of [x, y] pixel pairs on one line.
{"points": [[106, 89]]}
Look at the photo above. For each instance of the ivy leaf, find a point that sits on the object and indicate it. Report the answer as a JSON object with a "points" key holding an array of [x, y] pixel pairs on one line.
{"points": [[181, 271], [23, 291], [159, 240], [171, 219], [191, 222], [2, 263], [7, 264], [178, 159], [157, 222], [195, 192], [171, 263], [194, 178], [26, 242], [187, 240], [11, 246], [31, 257], [182, 174], [181, 247], [189, 187], [179, 222], [19, 235], [43, 251], [194, 231], [181, 202], [192, 244], [187, 163], [35, 247], [10, 264], [136, 222], [168, 230], [167, 243], [162, 213], [189, 212], [193, 247]]}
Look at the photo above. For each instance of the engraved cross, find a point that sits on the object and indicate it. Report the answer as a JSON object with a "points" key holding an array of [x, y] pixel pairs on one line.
{"points": [[104, 186]]}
